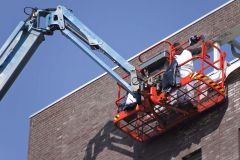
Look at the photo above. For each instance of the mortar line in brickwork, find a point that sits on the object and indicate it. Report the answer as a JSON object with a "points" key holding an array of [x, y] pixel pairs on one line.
{"points": [[171, 35]]}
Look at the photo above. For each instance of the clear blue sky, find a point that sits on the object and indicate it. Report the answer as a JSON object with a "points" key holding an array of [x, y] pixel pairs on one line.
{"points": [[59, 67]]}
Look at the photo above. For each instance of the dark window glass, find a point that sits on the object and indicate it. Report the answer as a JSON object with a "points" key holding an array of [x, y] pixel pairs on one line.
{"points": [[196, 155]]}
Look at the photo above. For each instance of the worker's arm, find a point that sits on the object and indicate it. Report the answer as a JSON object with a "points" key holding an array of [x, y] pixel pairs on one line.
{"points": [[196, 51], [194, 40]]}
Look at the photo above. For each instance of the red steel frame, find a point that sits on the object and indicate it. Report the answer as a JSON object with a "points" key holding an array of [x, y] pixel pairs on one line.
{"points": [[152, 117]]}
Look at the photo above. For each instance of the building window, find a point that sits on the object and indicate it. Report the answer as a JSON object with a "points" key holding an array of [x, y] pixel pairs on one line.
{"points": [[196, 155]]}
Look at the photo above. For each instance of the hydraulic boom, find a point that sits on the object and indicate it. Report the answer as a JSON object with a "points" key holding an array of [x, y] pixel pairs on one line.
{"points": [[29, 34]]}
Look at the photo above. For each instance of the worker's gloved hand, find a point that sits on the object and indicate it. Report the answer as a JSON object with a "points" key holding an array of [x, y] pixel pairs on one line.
{"points": [[194, 39]]}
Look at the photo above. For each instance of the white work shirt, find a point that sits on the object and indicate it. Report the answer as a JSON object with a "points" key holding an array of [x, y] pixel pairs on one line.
{"points": [[187, 68], [130, 99]]}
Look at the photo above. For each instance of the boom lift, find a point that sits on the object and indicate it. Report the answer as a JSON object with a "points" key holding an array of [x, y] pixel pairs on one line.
{"points": [[157, 112]]}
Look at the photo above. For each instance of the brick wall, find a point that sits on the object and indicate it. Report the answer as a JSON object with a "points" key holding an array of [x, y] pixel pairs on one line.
{"points": [[80, 126]]}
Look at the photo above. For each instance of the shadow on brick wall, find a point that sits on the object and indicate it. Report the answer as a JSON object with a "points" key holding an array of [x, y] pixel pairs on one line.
{"points": [[165, 147], [184, 136], [111, 139]]}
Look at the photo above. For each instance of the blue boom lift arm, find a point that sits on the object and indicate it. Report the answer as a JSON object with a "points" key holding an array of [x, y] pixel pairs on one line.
{"points": [[29, 34]]}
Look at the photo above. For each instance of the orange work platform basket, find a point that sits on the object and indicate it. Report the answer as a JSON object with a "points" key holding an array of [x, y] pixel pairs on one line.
{"points": [[197, 92]]}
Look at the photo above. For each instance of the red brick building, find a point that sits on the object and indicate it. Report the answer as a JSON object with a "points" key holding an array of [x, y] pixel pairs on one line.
{"points": [[74, 128]]}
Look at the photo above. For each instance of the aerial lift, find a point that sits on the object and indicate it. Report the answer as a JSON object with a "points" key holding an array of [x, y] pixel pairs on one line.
{"points": [[156, 112]]}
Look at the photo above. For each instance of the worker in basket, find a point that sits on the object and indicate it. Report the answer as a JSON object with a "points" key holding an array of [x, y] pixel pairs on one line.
{"points": [[130, 102], [172, 76]]}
